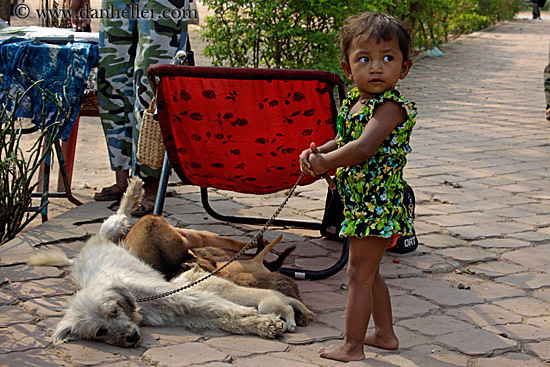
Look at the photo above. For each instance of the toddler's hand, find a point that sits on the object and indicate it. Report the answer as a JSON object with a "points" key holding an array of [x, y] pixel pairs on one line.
{"points": [[305, 167], [316, 161]]}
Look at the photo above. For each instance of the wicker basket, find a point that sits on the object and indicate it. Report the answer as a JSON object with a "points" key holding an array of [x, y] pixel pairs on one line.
{"points": [[150, 149]]}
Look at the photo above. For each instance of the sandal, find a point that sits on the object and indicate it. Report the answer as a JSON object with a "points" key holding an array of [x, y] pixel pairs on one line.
{"points": [[146, 207], [112, 193]]}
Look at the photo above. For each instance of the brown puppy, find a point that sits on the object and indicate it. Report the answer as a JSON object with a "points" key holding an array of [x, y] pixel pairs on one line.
{"points": [[251, 273], [165, 247]]}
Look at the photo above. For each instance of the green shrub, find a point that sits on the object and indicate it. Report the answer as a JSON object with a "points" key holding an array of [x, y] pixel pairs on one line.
{"points": [[302, 34]]}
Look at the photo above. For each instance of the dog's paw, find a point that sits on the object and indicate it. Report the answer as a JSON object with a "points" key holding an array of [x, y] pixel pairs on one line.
{"points": [[304, 318], [272, 327], [291, 326]]}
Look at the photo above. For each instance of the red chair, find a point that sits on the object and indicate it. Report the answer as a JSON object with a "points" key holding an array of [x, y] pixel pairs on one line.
{"points": [[242, 130]]}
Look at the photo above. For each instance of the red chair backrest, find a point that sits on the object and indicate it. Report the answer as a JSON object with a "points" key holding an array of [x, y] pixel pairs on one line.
{"points": [[243, 129]]}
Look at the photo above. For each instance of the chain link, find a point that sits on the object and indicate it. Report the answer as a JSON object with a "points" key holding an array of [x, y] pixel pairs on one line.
{"points": [[235, 257]]}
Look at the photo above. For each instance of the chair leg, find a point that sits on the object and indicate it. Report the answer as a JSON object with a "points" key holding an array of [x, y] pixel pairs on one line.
{"points": [[320, 274], [254, 220], [163, 185]]}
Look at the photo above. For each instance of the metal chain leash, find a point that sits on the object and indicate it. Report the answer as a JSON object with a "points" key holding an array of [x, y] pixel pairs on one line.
{"points": [[235, 257]]}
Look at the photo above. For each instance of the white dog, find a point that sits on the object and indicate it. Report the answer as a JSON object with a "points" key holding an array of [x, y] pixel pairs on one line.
{"points": [[110, 280]]}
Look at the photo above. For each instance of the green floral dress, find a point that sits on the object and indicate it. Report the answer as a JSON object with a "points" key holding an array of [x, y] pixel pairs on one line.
{"points": [[372, 191]]}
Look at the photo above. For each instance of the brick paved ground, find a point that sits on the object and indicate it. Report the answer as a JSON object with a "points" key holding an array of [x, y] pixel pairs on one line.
{"points": [[480, 169]]}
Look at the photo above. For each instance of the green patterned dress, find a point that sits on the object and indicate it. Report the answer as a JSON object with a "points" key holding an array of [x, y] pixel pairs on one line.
{"points": [[372, 191]]}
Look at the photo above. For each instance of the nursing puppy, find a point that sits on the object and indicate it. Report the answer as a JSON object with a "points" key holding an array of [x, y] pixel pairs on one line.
{"points": [[165, 247]]}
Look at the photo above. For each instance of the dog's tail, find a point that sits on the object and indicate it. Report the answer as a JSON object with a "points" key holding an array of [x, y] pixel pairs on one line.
{"points": [[259, 258], [117, 225], [132, 197], [53, 257], [276, 264]]}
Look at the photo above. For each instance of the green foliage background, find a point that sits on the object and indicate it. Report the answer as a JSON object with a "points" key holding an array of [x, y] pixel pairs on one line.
{"points": [[302, 34]]}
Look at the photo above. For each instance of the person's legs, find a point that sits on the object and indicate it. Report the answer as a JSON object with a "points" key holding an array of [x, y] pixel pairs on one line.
{"points": [[383, 336], [547, 88], [114, 94], [364, 261], [536, 11], [159, 40]]}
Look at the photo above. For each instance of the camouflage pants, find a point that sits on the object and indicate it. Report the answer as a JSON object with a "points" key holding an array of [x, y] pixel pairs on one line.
{"points": [[137, 34]]}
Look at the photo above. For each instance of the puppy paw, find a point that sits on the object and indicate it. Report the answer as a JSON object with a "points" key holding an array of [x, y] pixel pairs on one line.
{"points": [[272, 327], [304, 318]]}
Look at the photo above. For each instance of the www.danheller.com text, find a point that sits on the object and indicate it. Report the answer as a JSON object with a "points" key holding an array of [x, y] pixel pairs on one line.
{"points": [[133, 11]]}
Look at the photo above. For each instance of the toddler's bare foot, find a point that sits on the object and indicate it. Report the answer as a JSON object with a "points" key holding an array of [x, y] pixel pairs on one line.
{"points": [[382, 341], [340, 352]]}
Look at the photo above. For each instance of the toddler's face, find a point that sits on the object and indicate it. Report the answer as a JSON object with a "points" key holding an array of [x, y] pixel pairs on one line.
{"points": [[375, 66]]}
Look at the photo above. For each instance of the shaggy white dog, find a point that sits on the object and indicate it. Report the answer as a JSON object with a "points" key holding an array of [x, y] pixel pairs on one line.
{"points": [[110, 279]]}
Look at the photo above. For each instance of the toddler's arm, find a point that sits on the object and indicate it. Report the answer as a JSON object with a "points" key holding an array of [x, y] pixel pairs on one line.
{"points": [[304, 156], [386, 118]]}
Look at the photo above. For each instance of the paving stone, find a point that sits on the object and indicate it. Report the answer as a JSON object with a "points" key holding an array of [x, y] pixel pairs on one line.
{"points": [[334, 319], [436, 240], [408, 338], [482, 288], [6, 298], [152, 337], [525, 306], [543, 294], [428, 262], [433, 325], [271, 360], [47, 307], [20, 273], [531, 236], [505, 243], [484, 315], [128, 363], [438, 292], [483, 230], [520, 332], [89, 353], [317, 301], [314, 332], [408, 306], [245, 346], [21, 337], [541, 322], [10, 315], [531, 257], [467, 254], [309, 353], [476, 342], [509, 360], [187, 354], [528, 281], [541, 350], [388, 269], [41, 288], [428, 355], [32, 357], [497, 268]]}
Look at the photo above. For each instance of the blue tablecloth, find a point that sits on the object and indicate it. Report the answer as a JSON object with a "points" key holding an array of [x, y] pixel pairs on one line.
{"points": [[64, 69]]}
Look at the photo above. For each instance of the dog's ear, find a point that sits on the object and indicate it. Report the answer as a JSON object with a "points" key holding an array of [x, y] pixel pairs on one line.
{"points": [[63, 332], [127, 303]]}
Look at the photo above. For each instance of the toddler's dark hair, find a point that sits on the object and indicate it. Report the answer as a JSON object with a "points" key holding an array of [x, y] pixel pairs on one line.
{"points": [[378, 25]]}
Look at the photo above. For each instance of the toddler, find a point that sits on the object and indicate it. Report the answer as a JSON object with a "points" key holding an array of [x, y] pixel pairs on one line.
{"points": [[374, 127]]}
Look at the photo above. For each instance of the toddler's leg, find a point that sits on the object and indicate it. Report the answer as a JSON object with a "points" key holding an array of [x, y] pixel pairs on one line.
{"points": [[364, 260], [384, 336]]}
